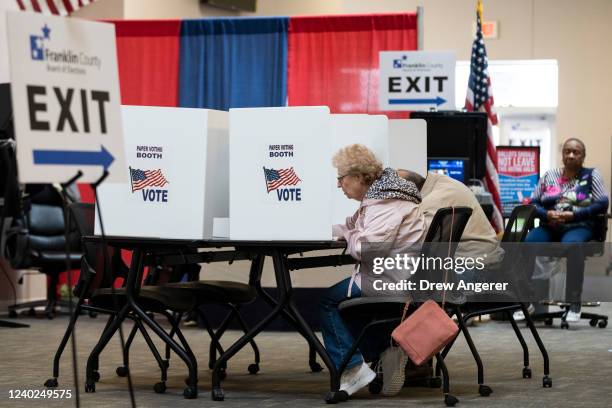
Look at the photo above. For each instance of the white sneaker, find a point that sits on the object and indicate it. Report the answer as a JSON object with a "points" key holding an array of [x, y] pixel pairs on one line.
{"points": [[573, 317], [393, 362], [356, 378], [519, 316]]}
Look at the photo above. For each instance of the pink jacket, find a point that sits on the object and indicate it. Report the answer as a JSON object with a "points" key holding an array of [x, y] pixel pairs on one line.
{"points": [[388, 220]]}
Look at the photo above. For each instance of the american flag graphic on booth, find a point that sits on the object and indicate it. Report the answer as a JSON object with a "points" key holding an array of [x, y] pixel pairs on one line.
{"points": [[279, 178], [146, 178]]}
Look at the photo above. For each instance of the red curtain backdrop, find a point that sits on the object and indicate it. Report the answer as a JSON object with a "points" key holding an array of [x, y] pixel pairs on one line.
{"points": [[333, 60], [148, 58]]}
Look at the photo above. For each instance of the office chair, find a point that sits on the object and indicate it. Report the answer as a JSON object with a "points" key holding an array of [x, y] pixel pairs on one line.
{"points": [[595, 248], [8, 208], [36, 238], [383, 311], [516, 230]]}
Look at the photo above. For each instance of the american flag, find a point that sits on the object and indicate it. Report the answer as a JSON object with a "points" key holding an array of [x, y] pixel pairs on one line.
{"points": [[279, 178], [147, 178], [56, 7], [480, 99]]}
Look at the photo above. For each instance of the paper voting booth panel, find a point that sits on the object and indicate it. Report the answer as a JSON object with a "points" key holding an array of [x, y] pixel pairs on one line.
{"points": [[178, 170], [408, 145], [368, 130], [279, 174]]}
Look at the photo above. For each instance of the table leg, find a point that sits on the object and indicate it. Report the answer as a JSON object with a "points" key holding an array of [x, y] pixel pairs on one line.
{"points": [[285, 276]]}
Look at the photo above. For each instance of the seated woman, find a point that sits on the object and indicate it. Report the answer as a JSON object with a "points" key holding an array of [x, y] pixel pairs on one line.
{"points": [[567, 200], [388, 213]]}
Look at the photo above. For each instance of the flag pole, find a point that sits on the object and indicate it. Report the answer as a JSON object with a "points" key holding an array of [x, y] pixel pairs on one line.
{"points": [[131, 182], [266, 180]]}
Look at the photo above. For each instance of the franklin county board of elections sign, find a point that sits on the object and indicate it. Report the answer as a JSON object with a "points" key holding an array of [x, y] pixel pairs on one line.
{"points": [[417, 80], [65, 94]]}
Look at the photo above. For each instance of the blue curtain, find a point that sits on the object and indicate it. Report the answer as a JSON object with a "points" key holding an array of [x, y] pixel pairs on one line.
{"points": [[233, 62]]}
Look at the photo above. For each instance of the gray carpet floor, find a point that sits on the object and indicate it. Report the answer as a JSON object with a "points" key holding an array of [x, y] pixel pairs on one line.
{"points": [[581, 369]]}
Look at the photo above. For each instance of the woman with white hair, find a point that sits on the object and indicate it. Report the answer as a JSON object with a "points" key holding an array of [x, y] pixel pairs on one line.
{"points": [[388, 213]]}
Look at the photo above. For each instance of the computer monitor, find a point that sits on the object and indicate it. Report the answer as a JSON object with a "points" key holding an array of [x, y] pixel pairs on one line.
{"points": [[454, 167], [457, 134]]}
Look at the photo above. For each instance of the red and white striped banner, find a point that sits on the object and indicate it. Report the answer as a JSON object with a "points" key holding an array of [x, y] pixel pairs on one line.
{"points": [[55, 7]]}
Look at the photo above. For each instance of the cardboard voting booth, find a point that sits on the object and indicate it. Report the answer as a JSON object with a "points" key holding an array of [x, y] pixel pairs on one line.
{"points": [[408, 145], [178, 171], [369, 130], [280, 175]]}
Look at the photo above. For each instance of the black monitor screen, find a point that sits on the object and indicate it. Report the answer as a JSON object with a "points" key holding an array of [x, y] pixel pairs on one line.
{"points": [[451, 167], [457, 134]]}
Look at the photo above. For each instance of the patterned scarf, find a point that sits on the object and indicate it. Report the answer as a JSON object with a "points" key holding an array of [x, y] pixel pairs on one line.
{"points": [[390, 185]]}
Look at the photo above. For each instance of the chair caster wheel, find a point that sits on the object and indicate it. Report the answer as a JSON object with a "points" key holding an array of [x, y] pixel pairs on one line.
{"points": [[336, 397], [435, 382], [603, 324], [190, 393], [548, 322], [564, 325], [450, 400], [375, 387], [217, 394], [122, 371], [160, 387], [93, 315], [483, 390], [31, 312], [49, 315], [96, 376], [593, 322], [546, 382], [12, 314], [526, 372], [316, 367], [51, 383], [253, 368], [90, 387]]}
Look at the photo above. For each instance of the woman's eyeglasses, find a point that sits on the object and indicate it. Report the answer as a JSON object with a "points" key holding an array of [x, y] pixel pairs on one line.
{"points": [[339, 178]]}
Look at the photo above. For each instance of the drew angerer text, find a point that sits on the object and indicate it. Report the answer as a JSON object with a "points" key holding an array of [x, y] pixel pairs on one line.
{"points": [[423, 284]]}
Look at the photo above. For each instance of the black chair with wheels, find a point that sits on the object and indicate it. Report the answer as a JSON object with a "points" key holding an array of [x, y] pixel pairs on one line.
{"points": [[596, 247], [37, 240], [440, 241], [515, 232]]}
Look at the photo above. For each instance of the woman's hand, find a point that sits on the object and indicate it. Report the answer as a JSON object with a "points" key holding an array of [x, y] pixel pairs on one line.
{"points": [[566, 216], [554, 217]]}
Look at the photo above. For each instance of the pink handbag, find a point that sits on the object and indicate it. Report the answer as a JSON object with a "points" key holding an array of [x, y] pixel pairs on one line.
{"points": [[426, 331]]}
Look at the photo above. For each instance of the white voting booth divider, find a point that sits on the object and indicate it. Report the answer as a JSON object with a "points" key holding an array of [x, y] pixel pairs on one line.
{"points": [[178, 169], [280, 174], [398, 143], [369, 130], [408, 145]]}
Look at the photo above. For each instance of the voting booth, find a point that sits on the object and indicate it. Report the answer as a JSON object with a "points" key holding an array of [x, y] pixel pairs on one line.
{"points": [[178, 170], [280, 174], [400, 143], [408, 145], [369, 130]]}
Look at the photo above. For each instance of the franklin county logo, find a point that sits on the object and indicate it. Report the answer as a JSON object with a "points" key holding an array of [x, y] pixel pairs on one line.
{"points": [[37, 47], [397, 63]]}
